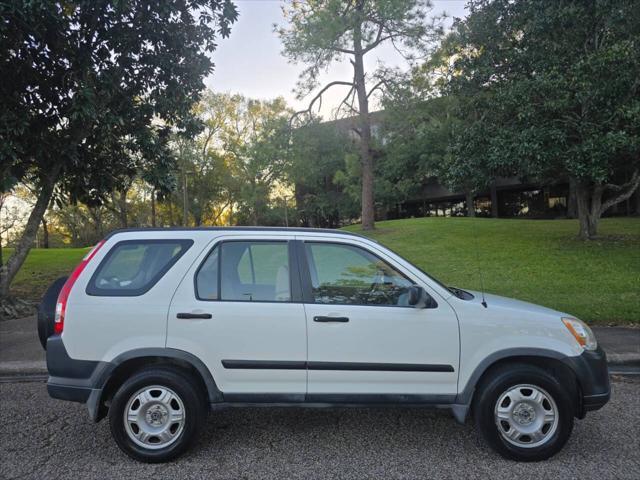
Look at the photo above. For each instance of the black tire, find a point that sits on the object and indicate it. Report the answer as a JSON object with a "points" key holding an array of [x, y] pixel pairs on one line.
{"points": [[193, 400], [500, 381]]}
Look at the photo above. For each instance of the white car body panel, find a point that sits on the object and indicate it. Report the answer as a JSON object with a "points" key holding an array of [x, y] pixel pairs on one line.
{"points": [[379, 334], [261, 331], [458, 333], [507, 324], [119, 324]]}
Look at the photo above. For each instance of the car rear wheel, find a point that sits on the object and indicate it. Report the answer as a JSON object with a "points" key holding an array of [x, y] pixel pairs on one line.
{"points": [[156, 414], [524, 412]]}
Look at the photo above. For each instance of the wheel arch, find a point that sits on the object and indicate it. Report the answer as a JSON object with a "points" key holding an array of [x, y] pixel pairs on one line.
{"points": [[547, 359], [126, 364]]}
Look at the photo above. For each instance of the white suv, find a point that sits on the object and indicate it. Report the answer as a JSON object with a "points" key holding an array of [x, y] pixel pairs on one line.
{"points": [[157, 326]]}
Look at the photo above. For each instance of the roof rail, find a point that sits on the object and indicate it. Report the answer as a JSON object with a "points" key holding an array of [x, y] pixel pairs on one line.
{"points": [[239, 229]]}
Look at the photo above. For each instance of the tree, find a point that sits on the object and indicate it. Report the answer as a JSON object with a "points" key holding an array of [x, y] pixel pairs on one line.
{"points": [[553, 92], [90, 88], [420, 128], [315, 168], [236, 164], [323, 31], [206, 177], [255, 139]]}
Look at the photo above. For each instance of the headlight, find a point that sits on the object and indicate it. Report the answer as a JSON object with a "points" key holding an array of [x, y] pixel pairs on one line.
{"points": [[581, 332]]}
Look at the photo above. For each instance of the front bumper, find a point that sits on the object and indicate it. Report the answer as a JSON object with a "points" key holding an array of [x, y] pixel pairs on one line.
{"points": [[592, 373]]}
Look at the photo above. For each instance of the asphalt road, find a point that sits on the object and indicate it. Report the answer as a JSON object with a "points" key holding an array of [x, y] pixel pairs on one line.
{"points": [[48, 439]]}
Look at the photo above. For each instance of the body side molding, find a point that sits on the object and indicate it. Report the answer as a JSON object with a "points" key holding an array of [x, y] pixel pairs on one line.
{"points": [[335, 366], [264, 364]]}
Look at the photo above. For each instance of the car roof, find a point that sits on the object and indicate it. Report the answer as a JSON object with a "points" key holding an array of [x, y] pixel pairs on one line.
{"points": [[239, 229]]}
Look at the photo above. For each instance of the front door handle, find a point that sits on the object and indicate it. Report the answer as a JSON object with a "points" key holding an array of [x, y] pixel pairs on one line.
{"points": [[186, 316], [331, 319]]}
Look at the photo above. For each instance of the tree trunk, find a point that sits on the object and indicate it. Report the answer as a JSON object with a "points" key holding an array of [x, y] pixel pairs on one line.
{"points": [[153, 207], [123, 208], [45, 233], [94, 213], [197, 216], [171, 218], [494, 200], [572, 201], [366, 158], [590, 204], [588, 201], [8, 272], [471, 208]]}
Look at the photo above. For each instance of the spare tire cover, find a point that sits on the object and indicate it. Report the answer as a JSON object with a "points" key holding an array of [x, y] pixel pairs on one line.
{"points": [[47, 310]]}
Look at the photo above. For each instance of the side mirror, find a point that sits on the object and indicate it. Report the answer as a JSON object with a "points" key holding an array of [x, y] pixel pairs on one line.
{"points": [[416, 296]]}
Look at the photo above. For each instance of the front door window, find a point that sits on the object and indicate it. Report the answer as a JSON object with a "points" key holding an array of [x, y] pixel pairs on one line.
{"points": [[348, 275]]}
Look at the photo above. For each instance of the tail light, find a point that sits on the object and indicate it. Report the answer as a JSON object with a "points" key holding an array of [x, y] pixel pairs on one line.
{"points": [[61, 304]]}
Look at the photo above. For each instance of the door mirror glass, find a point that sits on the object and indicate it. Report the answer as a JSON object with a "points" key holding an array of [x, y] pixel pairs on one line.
{"points": [[415, 296]]}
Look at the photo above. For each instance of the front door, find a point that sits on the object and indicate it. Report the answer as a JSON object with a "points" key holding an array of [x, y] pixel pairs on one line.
{"points": [[239, 310], [364, 341]]}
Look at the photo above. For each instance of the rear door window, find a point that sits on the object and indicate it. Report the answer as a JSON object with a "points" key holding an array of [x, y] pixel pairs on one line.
{"points": [[247, 271], [132, 267], [255, 272]]}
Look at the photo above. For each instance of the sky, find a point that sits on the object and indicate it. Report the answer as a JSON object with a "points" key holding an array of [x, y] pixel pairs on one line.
{"points": [[250, 61]]}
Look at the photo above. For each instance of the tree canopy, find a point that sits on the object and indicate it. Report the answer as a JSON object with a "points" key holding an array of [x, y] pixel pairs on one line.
{"points": [[552, 91], [91, 90], [320, 32]]}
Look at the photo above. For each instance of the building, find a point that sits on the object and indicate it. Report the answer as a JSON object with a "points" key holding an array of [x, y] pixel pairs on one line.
{"points": [[507, 197]]}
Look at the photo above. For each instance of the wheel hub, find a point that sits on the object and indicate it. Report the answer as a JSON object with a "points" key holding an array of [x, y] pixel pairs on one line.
{"points": [[524, 414], [156, 415]]}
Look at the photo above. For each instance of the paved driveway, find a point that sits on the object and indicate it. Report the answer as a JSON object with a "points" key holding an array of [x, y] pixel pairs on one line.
{"points": [[44, 438]]}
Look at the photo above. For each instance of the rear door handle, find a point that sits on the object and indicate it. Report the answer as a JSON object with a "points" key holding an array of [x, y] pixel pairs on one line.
{"points": [[186, 316], [331, 319]]}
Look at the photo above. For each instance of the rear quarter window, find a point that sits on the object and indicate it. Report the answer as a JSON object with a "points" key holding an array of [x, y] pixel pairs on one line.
{"points": [[133, 267]]}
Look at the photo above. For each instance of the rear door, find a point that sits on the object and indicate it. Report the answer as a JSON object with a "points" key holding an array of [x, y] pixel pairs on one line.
{"points": [[364, 341], [121, 299], [239, 310]]}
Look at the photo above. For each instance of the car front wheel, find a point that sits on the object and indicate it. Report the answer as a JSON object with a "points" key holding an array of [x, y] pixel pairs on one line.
{"points": [[524, 412], [156, 414]]}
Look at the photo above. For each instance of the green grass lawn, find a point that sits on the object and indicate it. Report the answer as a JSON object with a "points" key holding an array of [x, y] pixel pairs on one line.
{"points": [[41, 267], [541, 261]]}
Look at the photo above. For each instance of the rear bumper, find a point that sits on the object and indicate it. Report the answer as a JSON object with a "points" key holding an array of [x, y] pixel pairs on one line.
{"points": [[68, 392], [74, 380], [592, 373], [595, 402]]}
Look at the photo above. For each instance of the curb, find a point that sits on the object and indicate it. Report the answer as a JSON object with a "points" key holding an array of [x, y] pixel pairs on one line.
{"points": [[623, 359], [20, 368]]}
